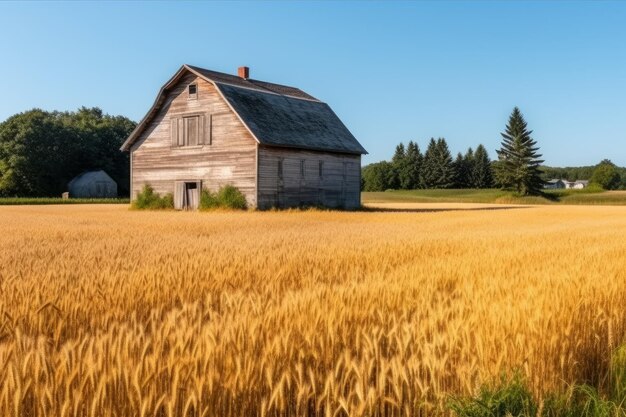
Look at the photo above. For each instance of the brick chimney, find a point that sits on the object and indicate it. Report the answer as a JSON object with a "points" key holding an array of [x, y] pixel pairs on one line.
{"points": [[244, 72]]}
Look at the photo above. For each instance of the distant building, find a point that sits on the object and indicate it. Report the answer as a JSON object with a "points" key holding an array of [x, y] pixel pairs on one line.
{"points": [[577, 185], [92, 184], [554, 184]]}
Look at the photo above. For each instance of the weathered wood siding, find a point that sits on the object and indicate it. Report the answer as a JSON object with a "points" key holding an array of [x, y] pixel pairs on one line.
{"points": [[229, 159], [339, 185]]}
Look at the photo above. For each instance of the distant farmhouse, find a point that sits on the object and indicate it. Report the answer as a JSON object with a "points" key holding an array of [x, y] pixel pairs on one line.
{"points": [[92, 184], [580, 184], [279, 145], [557, 183]]}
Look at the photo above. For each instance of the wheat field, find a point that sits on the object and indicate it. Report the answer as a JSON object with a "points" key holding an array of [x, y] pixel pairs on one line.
{"points": [[111, 312]]}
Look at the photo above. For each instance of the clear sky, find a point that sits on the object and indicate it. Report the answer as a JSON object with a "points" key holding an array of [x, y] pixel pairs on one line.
{"points": [[392, 71]]}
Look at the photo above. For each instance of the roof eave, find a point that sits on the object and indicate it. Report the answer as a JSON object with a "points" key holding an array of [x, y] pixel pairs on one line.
{"points": [[155, 106], [316, 149]]}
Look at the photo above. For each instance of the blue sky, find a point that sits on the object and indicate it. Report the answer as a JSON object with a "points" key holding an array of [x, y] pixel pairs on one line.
{"points": [[392, 71]]}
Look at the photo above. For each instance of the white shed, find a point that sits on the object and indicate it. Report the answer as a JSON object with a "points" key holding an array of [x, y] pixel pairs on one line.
{"points": [[580, 184]]}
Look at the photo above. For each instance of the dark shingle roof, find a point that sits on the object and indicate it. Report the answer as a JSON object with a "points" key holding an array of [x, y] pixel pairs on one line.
{"points": [[278, 120], [276, 115], [222, 78]]}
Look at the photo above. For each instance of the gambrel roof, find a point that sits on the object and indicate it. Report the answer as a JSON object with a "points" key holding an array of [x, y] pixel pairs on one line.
{"points": [[275, 115]]}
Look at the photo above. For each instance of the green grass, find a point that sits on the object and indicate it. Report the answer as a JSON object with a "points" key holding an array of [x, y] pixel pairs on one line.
{"points": [[512, 398], [583, 197], [17, 201]]}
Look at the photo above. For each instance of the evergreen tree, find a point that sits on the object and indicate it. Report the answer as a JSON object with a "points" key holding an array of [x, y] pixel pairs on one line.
{"points": [[428, 172], [460, 177], [482, 177], [398, 162], [468, 160], [411, 176], [445, 166], [518, 160], [438, 168]]}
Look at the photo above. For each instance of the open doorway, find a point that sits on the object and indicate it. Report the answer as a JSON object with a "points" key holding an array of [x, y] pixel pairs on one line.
{"points": [[187, 195]]}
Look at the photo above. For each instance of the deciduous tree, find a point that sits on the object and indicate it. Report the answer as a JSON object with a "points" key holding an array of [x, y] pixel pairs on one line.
{"points": [[606, 175], [40, 151]]}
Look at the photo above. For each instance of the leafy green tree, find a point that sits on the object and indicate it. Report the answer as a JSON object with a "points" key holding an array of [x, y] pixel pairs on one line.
{"points": [[410, 179], [35, 152], [482, 177], [518, 161], [40, 152], [377, 176], [570, 173], [606, 175]]}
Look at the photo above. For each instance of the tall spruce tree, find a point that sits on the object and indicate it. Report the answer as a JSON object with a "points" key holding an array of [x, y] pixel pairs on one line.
{"points": [[518, 161], [398, 162], [428, 172], [445, 166], [438, 168], [482, 177], [411, 178], [468, 166], [460, 173]]}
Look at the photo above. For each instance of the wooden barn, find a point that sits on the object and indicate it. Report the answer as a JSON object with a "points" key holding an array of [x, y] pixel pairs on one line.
{"points": [[279, 145], [92, 184]]}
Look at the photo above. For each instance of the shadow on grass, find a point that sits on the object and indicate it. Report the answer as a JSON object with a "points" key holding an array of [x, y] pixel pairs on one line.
{"points": [[435, 210], [554, 197]]}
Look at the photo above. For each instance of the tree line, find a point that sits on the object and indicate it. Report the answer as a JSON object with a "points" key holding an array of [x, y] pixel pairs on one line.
{"points": [[41, 151], [606, 174], [518, 166], [409, 169]]}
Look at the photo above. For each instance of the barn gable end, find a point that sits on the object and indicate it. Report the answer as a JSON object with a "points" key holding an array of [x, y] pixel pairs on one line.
{"points": [[227, 154]]}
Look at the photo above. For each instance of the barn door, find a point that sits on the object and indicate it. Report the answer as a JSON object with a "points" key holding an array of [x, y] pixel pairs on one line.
{"points": [[179, 195], [192, 195], [187, 195]]}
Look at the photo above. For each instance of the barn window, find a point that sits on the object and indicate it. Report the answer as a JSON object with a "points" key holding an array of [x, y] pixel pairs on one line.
{"points": [[280, 169], [302, 168], [191, 130], [193, 91], [191, 126], [320, 169]]}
